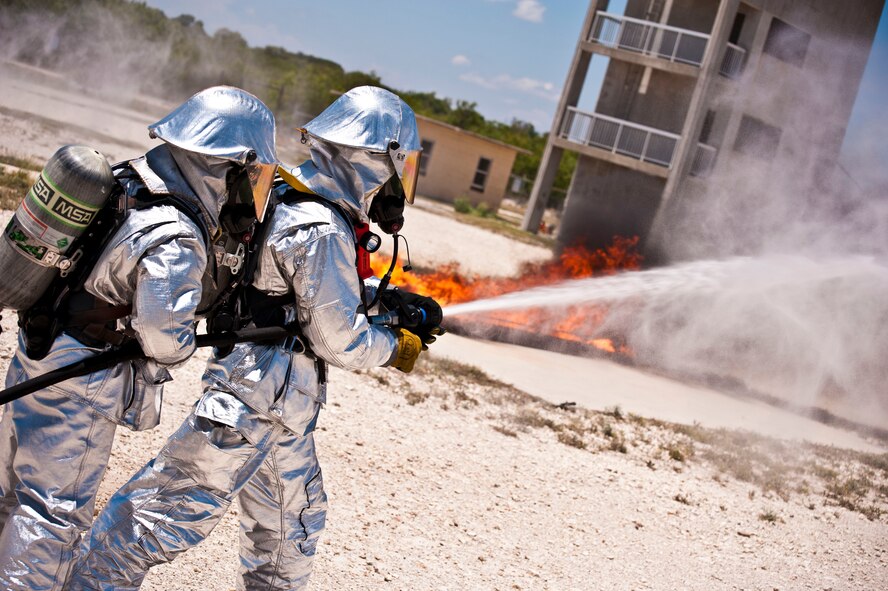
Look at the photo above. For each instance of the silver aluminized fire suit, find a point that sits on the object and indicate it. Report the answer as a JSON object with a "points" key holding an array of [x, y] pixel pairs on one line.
{"points": [[250, 436], [55, 443]]}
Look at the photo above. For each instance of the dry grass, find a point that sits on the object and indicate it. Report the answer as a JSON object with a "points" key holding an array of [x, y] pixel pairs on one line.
{"points": [[13, 187], [20, 162], [776, 469], [15, 182], [769, 516]]}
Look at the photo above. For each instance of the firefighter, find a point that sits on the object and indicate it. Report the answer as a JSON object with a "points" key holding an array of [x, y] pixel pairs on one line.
{"points": [[146, 283], [250, 436]]}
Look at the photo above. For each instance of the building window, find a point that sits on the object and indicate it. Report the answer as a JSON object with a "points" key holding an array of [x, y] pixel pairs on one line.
{"points": [[481, 174], [706, 128], [787, 43], [736, 28], [757, 138], [427, 146]]}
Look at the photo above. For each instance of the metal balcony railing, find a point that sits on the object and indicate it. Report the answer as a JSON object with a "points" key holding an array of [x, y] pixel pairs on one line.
{"points": [[704, 160], [619, 137], [660, 41], [649, 38]]}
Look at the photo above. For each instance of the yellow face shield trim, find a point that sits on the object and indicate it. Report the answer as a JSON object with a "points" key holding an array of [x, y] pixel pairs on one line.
{"points": [[291, 180]]}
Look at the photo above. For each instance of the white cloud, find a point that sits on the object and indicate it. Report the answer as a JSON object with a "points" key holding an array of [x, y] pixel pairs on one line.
{"points": [[460, 60], [530, 10], [545, 90]]}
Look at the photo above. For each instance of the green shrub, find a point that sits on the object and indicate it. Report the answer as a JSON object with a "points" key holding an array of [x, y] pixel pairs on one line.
{"points": [[462, 205], [483, 210]]}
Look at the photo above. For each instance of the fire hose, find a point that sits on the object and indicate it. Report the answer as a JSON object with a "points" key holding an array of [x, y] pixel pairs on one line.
{"points": [[131, 351]]}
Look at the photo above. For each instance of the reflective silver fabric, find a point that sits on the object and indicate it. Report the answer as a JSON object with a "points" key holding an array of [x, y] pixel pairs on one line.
{"points": [[221, 121], [55, 443], [176, 500], [349, 144], [54, 453], [369, 118], [250, 435], [346, 176], [166, 170], [219, 124], [156, 261], [310, 252]]}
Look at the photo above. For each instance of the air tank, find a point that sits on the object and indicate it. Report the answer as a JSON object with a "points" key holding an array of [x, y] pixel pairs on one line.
{"points": [[72, 187]]}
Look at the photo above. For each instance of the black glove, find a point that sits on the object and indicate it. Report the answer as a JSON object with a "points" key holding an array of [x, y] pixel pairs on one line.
{"points": [[421, 314]]}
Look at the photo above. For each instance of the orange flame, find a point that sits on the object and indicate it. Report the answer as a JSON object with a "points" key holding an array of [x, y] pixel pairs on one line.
{"points": [[576, 323]]}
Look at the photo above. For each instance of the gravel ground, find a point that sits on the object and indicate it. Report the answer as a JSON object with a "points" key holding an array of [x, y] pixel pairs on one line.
{"points": [[434, 484], [429, 490]]}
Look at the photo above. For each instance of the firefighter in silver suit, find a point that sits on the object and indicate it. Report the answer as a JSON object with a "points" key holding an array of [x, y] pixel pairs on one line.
{"points": [[55, 443], [250, 436]]}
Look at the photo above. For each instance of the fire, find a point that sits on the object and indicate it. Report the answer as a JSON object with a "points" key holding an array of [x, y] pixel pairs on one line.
{"points": [[576, 324]]}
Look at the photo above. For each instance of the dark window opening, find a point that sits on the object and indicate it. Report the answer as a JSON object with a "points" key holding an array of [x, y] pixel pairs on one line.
{"points": [[480, 179], [757, 138], [787, 43], [736, 28], [427, 146], [706, 129]]}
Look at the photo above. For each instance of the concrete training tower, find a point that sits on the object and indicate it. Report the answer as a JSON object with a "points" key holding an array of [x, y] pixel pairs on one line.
{"points": [[704, 102]]}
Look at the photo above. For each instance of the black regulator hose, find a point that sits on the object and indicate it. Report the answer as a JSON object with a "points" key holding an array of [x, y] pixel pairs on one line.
{"points": [[383, 283]]}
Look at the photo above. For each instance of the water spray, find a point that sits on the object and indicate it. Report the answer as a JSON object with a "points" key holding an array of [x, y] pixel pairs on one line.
{"points": [[742, 274], [812, 332]]}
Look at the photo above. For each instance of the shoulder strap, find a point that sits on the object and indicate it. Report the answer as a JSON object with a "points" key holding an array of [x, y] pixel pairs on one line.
{"points": [[87, 316], [295, 196]]}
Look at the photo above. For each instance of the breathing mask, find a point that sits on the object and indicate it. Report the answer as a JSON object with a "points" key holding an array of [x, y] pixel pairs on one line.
{"points": [[387, 207]]}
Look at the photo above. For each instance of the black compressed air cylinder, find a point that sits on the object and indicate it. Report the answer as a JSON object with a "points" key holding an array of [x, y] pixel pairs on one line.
{"points": [[73, 186]]}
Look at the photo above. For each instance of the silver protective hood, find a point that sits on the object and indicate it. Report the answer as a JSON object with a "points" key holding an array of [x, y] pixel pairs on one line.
{"points": [[358, 143], [228, 124], [196, 179]]}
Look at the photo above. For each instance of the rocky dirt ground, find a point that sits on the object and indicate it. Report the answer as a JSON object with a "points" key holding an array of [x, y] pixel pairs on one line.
{"points": [[445, 479]]}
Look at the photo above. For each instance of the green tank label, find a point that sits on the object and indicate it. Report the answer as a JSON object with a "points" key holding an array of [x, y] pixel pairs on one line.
{"points": [[19, 238], [62, 207]]}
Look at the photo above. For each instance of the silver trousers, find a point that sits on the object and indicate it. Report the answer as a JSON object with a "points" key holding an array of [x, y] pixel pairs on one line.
{"points": [[177, 499], [54, 447], [54, 452]]}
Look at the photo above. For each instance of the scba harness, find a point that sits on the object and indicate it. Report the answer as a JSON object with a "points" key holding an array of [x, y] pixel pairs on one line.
{"points": [[65, 306]]}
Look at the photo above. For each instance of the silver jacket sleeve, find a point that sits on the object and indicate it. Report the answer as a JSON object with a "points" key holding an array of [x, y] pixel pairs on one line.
{"points": [[156, 261], [311, 253]]}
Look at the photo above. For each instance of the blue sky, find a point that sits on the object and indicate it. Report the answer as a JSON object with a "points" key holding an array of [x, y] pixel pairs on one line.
{"points": [[509, 56]]}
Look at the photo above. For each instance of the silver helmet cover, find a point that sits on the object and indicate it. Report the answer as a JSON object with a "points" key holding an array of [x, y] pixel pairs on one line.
{"points": [[358, 143], [229, 124]]}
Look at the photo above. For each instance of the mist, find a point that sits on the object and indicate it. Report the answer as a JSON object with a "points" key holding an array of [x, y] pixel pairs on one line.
{"points": [[779, 279], [122, 51], [814, 341]]}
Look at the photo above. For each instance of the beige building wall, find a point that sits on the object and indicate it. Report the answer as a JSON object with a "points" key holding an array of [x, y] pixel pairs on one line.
{"points": [[451, 164]]}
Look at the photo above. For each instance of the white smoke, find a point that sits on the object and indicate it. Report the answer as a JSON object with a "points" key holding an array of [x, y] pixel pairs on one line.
{"points": [[788, 296], [816, 343], [109, 56]]}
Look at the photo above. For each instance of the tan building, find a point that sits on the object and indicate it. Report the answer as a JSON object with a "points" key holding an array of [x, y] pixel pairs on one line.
{"points": [[715, 121], [458, 163]]}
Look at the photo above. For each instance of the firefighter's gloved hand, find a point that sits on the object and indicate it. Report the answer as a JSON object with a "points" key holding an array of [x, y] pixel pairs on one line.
{"points": [[430, 337], [409, 348], [421, 314]]}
